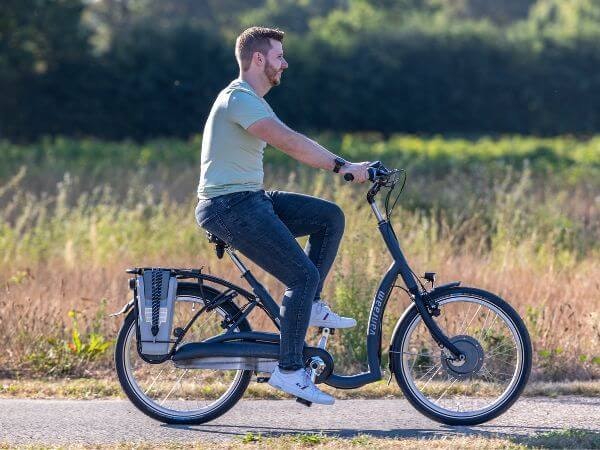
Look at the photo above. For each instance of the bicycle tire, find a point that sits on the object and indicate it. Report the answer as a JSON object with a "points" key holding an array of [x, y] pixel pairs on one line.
{"points": [[190, 290], [399, 366]]}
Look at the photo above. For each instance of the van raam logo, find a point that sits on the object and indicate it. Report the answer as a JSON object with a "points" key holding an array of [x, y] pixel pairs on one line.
{"points": [[376, 312]]}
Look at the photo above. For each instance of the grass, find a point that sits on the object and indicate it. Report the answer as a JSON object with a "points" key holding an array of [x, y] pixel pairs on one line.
{"points": [[570, 438], [517, 216], [97, 388], [574, 158]]}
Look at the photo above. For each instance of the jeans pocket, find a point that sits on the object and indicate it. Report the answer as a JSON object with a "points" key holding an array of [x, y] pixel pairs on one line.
{"points": [[216, 225]]}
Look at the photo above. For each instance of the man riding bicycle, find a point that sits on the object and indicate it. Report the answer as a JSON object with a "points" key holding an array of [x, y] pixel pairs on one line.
{"points": [[263, 225]]}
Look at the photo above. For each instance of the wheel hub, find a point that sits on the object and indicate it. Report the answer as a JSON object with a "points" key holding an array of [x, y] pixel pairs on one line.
{"points": [[472, 361]]}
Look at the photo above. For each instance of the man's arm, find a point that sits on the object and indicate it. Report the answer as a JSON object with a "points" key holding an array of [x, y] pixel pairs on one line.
{"points": [[299, 147], [293, 143]]}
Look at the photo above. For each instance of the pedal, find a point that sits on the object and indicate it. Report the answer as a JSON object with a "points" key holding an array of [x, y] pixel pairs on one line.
{"points": [[331, 330], [303, 402], [262, 379]]}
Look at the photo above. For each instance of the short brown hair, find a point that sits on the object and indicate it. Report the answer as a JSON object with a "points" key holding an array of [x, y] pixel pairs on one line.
{"points": [[254, 39]]}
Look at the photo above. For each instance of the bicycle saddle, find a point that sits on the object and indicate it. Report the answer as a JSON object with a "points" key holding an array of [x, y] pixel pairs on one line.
{"points": [[219, 243]]}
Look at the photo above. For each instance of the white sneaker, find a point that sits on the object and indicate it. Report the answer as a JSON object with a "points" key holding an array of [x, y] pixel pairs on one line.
{"points": [[322, 316], [298, 383]]}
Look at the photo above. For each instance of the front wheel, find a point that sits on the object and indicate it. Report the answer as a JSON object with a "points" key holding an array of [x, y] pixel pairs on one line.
{"points": [[483, 385]]}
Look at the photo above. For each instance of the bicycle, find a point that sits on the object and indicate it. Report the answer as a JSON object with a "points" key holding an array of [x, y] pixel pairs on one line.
{"points": [[460, 355]]}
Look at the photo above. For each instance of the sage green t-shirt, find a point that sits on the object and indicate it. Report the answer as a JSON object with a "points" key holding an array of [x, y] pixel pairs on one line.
{"points": [[232, 159]]}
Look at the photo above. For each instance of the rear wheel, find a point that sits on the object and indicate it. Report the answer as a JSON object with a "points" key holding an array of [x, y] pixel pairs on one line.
{"points": [[483, 385], [176, 395]]}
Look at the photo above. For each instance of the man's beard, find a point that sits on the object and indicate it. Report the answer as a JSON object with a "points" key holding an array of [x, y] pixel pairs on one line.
{"points": [[271, 74]]}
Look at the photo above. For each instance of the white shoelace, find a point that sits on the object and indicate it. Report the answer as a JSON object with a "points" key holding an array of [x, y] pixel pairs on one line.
{"points": [[307, 379]]}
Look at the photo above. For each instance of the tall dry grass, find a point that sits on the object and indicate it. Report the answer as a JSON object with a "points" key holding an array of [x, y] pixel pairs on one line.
{"points": [[63, 255]]}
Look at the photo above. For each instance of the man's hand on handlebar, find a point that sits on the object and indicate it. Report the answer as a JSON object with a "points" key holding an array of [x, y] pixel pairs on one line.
{"points": [[360, 171]]}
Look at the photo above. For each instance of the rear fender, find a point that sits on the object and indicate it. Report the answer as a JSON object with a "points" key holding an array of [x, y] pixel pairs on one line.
{"points": [[125, 308]]}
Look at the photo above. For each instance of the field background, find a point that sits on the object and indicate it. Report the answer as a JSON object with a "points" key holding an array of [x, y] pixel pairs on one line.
{"points": [[519, 216], [493, 108]]}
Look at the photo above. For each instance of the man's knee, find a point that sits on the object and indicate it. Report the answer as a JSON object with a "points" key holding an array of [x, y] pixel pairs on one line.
{"points": [[306, 281], [313, 277], [306, 276], [336, 217]]}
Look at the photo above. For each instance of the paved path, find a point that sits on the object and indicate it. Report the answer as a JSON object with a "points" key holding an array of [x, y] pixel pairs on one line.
{"points": [[112, 421]]}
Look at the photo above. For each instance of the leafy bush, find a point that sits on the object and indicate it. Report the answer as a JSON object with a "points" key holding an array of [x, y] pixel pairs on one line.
{"points": [[74, 355]]}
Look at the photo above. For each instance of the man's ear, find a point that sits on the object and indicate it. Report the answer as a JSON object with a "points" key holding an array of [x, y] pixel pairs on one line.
{"points": [[259, 59]]}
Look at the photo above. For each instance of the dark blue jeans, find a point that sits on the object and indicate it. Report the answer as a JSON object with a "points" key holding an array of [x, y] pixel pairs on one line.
{"points": [[263, 226]]}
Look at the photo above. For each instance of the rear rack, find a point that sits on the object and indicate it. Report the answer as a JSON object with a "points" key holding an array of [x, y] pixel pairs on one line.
{"points": [[179, 273]]}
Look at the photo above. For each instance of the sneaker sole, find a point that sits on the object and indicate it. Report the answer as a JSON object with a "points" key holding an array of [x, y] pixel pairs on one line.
{"points": [[299, 394]]}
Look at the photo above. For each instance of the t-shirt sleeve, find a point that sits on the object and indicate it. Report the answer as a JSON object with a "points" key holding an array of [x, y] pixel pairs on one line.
{"points": [[245, 109]]}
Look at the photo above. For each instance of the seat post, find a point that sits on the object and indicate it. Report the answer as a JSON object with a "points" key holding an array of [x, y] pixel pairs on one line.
{"points": [[267, 301], [238, 263]]}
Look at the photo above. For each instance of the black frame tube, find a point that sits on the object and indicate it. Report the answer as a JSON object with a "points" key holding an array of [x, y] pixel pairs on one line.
{"points": [[400, 267], [407, 276]]}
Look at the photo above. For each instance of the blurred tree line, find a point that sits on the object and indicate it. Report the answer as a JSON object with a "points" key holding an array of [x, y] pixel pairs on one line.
{"points": [[146, 68]]}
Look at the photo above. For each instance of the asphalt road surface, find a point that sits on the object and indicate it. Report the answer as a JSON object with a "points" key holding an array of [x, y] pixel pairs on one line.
{"points": [[114, 421]]}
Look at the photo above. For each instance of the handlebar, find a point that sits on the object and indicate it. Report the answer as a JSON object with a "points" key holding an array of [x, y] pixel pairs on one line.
{"points": [[376, 170]]}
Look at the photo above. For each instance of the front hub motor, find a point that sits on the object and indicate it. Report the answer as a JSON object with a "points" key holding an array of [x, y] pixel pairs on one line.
{"points": [[471, 362]]}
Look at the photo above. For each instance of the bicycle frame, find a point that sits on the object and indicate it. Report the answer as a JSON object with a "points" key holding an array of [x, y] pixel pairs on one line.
{"points": [[399, 266], [263, 299], [240, 348]]}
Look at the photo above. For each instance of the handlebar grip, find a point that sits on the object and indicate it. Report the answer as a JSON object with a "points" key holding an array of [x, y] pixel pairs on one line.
{"points": [[371, 170]]}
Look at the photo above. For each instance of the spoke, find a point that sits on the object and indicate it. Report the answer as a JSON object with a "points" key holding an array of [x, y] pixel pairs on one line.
{"points": [[421, 368], [164, 386], [154, 381], [173, 388], [484, 324], [210, 315], [487, 374], [427, 373], [509, 352], [199, 382], [412, 367], [491, 324], [473, 318], [502, 362], [462, 325], [429, 355], [502, 359], [446, 390], [500, 373], [501, 351], [431, 378]]}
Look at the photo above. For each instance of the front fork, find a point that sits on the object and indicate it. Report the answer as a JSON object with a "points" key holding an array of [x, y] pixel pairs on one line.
{"points": [[449, 349]]}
